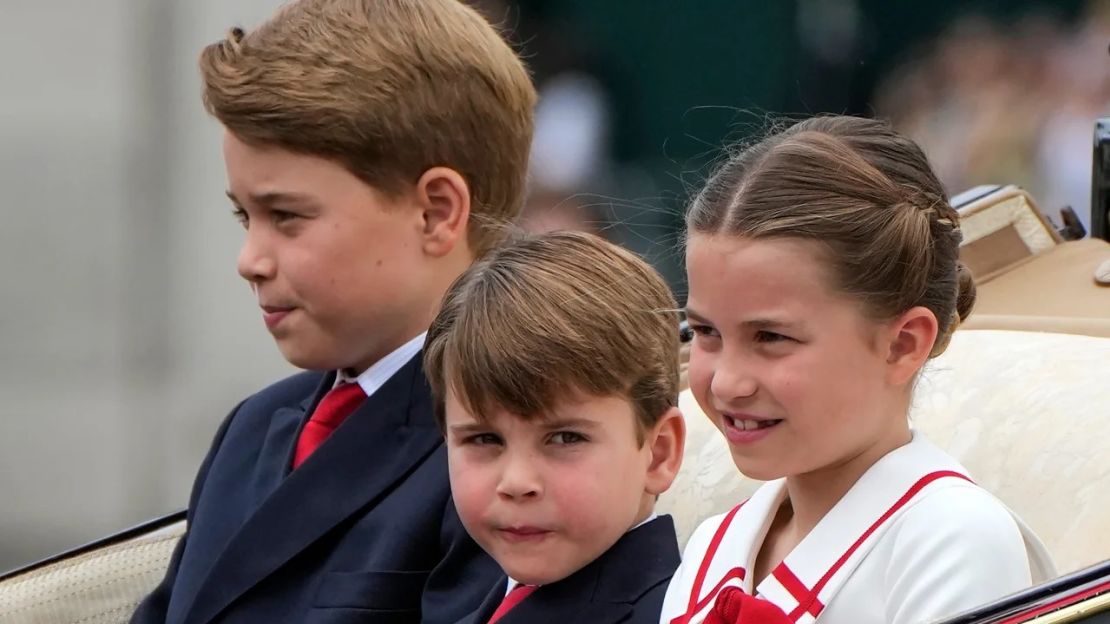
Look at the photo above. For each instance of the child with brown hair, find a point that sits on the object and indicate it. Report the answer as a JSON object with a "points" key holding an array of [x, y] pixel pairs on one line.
{"points": [[824, 272], [554, 367], [374, 149]]}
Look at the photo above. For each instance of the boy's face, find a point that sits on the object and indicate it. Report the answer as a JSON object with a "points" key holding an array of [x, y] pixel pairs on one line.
{"points": [[336, 265], [544, 498]]}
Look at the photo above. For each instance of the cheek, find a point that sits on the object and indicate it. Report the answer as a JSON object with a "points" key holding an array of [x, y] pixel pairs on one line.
{"points": [[831, 386], [700, 374], [472, 486], [599, 496]]}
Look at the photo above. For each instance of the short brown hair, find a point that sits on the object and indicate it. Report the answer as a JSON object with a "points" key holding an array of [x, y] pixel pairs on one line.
{"points": [[867, 195], [552, 314], [387, 88]]}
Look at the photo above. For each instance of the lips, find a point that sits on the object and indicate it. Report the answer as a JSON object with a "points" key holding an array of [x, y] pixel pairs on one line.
{"points": [[274, 315], [746, 428], [523, 533]]}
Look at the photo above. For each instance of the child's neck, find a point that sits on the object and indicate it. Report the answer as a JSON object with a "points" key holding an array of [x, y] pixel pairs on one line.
{"points": [[812, 495], [385, 348], [647, 507]]}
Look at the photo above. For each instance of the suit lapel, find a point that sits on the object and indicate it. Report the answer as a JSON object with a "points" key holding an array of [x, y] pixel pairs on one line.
{"points": [[605, 591], [371, 452], [489, 605], [276, 458]]}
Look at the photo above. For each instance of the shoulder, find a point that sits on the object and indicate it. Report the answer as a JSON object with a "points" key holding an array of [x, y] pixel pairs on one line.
{"points": [[292, 389], [692, 556], [959, 514], [252, 416], [955, 548], [288, 392], [703, 535], [637, 568]]}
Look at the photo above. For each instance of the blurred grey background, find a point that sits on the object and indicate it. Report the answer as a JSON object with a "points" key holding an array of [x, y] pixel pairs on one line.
{"points": [[126, 335]]}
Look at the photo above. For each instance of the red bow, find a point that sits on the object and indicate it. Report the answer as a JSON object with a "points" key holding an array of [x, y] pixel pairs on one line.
{"points": [[733, 606]]}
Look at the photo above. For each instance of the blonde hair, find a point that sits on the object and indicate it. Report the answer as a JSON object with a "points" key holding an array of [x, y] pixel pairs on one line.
{"points": [[387, 88], [554, 314], [863, 192]]}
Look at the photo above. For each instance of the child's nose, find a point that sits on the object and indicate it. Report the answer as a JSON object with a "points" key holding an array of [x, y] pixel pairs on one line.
{"points": [[520, 478], [733, 378], [255, 263]]}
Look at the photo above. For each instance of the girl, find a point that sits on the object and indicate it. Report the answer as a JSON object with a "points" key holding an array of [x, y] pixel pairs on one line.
{"points": [[823, 272]]}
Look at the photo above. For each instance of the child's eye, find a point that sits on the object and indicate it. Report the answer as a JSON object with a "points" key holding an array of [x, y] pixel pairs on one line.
{"points": [[769, 336], [281, 216], [704, 331], [241, 216], [567, 437], [483, 439]]}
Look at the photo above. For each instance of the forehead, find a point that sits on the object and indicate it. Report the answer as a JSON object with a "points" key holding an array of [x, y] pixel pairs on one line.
{"points": [[773, 277], [575, 406], [269, 168]]}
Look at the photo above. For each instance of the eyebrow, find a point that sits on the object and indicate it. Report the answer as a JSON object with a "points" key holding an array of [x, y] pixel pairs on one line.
{"points": [[469, 428], [694, 316], [270, 198], [568, 423], [549, 424], [756, 323]]}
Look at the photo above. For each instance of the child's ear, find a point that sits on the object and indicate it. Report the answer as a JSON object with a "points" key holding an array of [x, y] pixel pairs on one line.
{"points": [[667, 441], [911, 339], [444, 199]]}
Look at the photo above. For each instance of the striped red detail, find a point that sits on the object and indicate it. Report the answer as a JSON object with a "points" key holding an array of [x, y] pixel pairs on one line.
{"points": [[809, 602], [695, 605], [807, 598]]}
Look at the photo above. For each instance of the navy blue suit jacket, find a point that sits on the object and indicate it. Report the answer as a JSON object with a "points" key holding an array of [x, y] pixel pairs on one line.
{"points": [[625, 585], [363, 531]]}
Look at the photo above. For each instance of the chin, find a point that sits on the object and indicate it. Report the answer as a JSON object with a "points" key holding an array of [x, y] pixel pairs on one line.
{"points": [[758, 470], [534, 576], [308, 359]]}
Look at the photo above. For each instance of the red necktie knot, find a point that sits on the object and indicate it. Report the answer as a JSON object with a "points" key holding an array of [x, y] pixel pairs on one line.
{"points": [[333, 409], [512, 599]]}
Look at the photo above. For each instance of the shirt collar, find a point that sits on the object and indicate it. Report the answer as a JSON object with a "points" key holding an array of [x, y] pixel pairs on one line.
{"points": [[375, 377]]}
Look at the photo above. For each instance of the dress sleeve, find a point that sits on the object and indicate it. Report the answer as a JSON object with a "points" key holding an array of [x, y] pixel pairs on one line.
{"points": [[956, 549]]}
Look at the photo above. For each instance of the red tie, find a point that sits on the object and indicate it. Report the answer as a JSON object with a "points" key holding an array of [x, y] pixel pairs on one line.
{"points": [[333, 409], [512, 599]]}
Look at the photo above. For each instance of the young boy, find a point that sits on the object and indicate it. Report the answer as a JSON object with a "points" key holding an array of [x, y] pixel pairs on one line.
{"points": [[555, 371], [374, 148]]}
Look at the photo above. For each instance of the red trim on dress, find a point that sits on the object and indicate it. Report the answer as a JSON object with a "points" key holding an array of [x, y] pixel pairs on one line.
{"points": [[807, 598], [695, 605], [791, 583], [901, 502]]}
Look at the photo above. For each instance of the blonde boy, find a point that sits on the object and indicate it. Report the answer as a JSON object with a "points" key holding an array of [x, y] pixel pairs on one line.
{"points": [[554, 366], [374, 148]]}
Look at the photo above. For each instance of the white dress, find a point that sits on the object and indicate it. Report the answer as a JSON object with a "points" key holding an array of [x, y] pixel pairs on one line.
{"points": [[914, 540]]}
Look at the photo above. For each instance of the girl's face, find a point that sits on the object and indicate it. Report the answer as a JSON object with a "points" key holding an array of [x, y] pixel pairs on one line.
{"points": [[793, 373]]}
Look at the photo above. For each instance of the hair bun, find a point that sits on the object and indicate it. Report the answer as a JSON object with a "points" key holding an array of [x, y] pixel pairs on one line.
{"points": [[965, 295]]}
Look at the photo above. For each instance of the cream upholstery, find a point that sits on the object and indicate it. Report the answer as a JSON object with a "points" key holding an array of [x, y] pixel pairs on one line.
{"points": [[1028, 413], [1080, 326], [101, 586]]}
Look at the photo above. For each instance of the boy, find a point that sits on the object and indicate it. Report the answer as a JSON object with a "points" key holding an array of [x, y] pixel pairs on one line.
{"points": [[555, 372], [374, 148]]}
